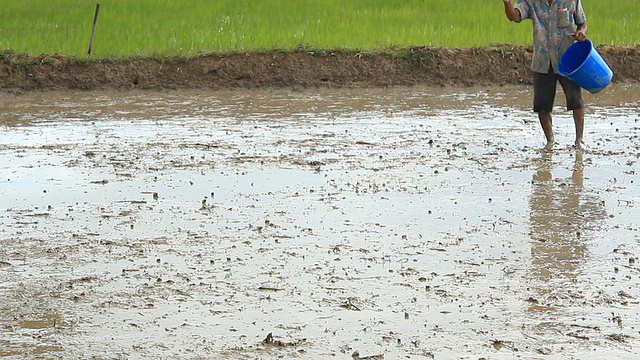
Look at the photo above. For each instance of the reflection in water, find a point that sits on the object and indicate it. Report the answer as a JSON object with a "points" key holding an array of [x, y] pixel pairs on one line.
{"points": [[87, 256], [561, 214]]}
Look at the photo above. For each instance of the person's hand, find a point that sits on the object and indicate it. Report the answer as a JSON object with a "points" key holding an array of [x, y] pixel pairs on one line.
{"points": [[580, 35]]}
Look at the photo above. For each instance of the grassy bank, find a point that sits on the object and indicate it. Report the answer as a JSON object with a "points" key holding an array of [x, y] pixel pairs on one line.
{"points": [[147, 27]]}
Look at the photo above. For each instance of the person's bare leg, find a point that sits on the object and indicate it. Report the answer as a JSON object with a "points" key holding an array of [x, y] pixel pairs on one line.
{"points": [[578, 119], [547, 128]]}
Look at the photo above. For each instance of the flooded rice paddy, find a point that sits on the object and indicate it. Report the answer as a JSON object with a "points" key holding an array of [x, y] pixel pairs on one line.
{"points": [[317, 224]]}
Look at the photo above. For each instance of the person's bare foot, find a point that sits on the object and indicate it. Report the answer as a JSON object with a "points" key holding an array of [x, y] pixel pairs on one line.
{"points": [[550, 143]]}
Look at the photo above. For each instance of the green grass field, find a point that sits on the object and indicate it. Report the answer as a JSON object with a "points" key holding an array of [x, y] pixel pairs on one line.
{"points": [[162, 27]]}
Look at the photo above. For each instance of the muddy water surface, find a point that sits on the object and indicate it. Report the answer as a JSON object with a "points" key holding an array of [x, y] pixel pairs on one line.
{"points": [[395, 223]]}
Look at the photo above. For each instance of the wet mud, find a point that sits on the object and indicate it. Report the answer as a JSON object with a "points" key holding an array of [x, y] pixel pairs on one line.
{"points": [[501, 64], [346, 223]]}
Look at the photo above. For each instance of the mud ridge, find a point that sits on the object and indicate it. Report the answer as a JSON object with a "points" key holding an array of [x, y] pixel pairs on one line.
{"points": [[492, 65]]}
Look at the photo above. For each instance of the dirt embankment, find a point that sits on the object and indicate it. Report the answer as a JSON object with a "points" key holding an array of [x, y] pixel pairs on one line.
{"points": [[494, 65]]}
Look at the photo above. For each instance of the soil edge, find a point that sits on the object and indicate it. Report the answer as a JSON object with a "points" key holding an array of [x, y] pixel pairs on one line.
{"points": [[427, 66]]}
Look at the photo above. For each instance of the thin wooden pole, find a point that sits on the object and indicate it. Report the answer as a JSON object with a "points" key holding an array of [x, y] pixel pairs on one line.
{"points": [[93, 31]]}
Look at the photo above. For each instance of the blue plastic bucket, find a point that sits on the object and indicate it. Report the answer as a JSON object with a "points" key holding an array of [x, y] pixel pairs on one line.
{"points": [[583, 64]]}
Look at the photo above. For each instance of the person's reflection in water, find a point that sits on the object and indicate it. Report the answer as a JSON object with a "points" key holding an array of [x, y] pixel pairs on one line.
{"points": [[560, 218]]}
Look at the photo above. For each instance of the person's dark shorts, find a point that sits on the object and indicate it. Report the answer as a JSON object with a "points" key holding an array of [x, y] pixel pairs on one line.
{"points": [[544, 92]]}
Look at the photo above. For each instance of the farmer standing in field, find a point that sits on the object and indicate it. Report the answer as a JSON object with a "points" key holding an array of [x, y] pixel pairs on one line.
{"points": [[556, 25]]}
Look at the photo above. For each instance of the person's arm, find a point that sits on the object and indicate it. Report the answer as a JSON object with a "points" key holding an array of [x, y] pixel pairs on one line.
{"points": [[512, 13], [581, 22], [581, 32]]}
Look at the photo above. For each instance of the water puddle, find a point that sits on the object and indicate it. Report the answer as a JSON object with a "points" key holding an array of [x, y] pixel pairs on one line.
{"points": [[403, 222]]}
